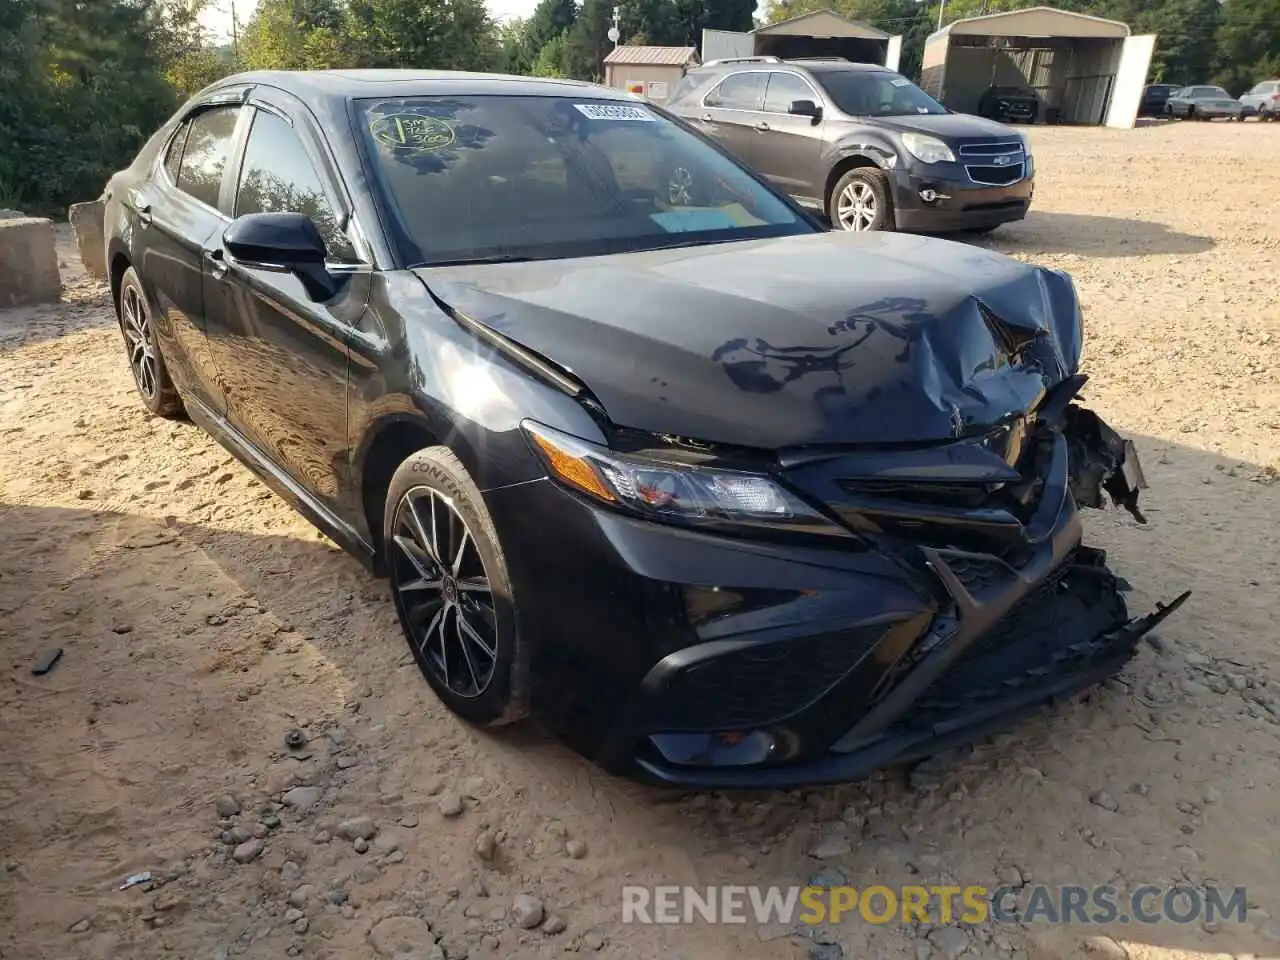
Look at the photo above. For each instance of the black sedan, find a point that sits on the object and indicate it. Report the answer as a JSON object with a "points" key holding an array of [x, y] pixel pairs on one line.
{"points": [[726, 497]]}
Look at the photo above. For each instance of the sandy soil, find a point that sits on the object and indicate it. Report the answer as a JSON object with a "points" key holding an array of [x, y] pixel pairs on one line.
{"points": [[202, 620]]}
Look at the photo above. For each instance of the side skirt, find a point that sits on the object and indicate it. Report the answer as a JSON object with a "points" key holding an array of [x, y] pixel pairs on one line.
{"points": [[284, 486]]}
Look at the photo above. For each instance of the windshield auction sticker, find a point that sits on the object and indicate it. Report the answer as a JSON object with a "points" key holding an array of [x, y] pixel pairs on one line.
{"points": [[614, 111], [412, 132]]}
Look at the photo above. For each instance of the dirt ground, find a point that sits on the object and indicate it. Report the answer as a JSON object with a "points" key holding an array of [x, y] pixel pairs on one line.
{"points": [[202, 620]]}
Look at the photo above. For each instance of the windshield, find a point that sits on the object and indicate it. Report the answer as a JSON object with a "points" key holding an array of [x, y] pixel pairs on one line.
{"points": [[876, 93], [497, 177]]}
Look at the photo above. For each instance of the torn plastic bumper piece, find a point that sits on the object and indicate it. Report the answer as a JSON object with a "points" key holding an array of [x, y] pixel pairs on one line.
{"points": [[914, 720]]}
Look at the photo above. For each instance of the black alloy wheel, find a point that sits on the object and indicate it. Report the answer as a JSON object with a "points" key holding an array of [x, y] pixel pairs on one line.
{"points": [[443, 585], [146, 364], [451, 589]]}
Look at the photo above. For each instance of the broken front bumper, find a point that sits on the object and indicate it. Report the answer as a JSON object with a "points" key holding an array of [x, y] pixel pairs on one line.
{"points": [[703, 660]]}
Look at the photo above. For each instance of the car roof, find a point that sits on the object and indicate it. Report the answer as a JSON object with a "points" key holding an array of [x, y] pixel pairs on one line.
{"points": [[326, 87], [813, 66]]}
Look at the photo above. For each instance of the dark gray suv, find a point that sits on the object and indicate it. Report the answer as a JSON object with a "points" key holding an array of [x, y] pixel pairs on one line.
{"points": [[861, 143]]}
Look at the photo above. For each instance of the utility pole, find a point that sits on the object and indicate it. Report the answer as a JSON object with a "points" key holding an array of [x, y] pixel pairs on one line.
{"points": [[941, 4], [235, 33], [615, 32]]}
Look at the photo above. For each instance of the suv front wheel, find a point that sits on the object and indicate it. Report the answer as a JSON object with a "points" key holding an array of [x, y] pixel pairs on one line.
{"points": [[860, 201]]}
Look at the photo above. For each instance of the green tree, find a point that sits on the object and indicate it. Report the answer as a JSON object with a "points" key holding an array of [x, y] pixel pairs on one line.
{"points": [[588, 42], [551, 58], [1248, 43]]}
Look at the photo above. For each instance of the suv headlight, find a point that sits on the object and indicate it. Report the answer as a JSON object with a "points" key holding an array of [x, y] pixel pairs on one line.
{"points": [[927, 149], [670, 491]]}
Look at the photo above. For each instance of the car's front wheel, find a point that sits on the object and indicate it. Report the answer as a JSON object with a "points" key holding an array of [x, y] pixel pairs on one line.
{"points": [[860, 201], [452, 590], [150, 375]]}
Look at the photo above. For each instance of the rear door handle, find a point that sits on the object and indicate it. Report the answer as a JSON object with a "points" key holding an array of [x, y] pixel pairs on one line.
{"points": [[217, 263], [706, 118], [144, 214], [762, 127]]}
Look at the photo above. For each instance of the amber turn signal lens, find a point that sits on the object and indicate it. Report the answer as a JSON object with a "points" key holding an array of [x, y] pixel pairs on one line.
{"points": [[573, 470]]}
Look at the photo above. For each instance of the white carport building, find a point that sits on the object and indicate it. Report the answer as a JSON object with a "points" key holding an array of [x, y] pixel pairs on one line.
{"points": [[1086, 70], [822, 33]]}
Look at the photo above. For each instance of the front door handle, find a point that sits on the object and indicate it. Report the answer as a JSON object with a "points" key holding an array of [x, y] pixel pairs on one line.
{"points": [[144, 214], [217, 263], [706, 118], [762, 127]]}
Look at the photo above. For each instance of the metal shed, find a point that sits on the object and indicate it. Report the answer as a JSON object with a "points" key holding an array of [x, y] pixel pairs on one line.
{"points": [[652, 72], [1086, 70], [822, 33]]}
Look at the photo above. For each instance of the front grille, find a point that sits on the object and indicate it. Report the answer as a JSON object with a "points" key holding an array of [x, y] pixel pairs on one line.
{"points": [[1062, 627], [758, 685], [924, 492], [996, 176], [992, 149]]}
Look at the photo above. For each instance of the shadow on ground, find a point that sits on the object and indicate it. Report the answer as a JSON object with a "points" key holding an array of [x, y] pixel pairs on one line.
{"points": [[1095, 236], [1157, 778]]}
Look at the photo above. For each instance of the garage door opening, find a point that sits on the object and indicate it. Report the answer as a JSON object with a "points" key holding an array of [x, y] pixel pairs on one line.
{"points": [[1038, 65], [822, 34]]}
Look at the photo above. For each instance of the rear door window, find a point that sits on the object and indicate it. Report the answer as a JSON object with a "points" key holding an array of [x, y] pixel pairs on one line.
{"points": [[208, 148], [739, 91], [277, 176]]}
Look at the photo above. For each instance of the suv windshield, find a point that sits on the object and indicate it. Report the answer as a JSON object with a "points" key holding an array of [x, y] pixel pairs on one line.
{"points": [[876, 93], [474, 178]]}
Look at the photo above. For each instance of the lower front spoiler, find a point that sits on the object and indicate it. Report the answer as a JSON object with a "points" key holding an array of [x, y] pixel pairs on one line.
{"points": [[1116, 648]]}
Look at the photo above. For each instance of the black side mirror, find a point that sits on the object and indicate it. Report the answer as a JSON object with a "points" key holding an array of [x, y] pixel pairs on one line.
{"points": [[805, 108], [282, 243]]}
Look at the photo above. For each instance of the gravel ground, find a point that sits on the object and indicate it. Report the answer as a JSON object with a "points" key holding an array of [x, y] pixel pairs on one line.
{"points": [[202, 620]]}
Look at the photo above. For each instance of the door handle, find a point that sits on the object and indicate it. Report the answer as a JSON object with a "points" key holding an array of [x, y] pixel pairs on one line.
{"points": [[217, 263], [706, 118], [144, 214], [762, 127]]}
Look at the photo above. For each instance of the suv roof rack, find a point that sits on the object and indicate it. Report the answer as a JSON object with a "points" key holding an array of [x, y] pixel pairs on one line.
{"points": [[716, 63], [818, 60]]}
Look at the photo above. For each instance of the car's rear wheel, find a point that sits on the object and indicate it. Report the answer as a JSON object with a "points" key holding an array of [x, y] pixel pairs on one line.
{"points": [[452, 590], [1191, 113], [150, 375], [860, 201]]}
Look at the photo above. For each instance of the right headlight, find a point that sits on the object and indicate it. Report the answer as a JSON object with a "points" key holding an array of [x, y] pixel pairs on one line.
{"points": [[659, 490], [927, 149]]}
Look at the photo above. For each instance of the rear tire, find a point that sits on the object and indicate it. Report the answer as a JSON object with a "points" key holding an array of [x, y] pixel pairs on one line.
{"points": [[452, 590], [150, 375], [861, 201]]}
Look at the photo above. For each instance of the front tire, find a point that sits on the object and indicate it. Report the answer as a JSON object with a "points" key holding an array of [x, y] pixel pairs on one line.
{"points": [[150, 375], [452, 590], [861, 201]]}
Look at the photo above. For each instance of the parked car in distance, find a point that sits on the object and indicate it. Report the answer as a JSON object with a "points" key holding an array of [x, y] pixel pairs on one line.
{"points": [[1155, 96], [1009, 104], [723, 495], [1263, 101], [1203, 103], [861, 143]]}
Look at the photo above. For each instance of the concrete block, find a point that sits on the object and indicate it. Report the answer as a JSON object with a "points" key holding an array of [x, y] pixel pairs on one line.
{"points": [[28, 262], [86, 224]]}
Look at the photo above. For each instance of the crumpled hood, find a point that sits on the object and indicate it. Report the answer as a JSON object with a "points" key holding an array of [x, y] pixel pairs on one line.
{"points": [[825, 339]]}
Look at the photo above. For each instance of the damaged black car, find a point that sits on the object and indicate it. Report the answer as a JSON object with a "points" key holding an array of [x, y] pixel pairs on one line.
{"points": [[725, 497]]}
